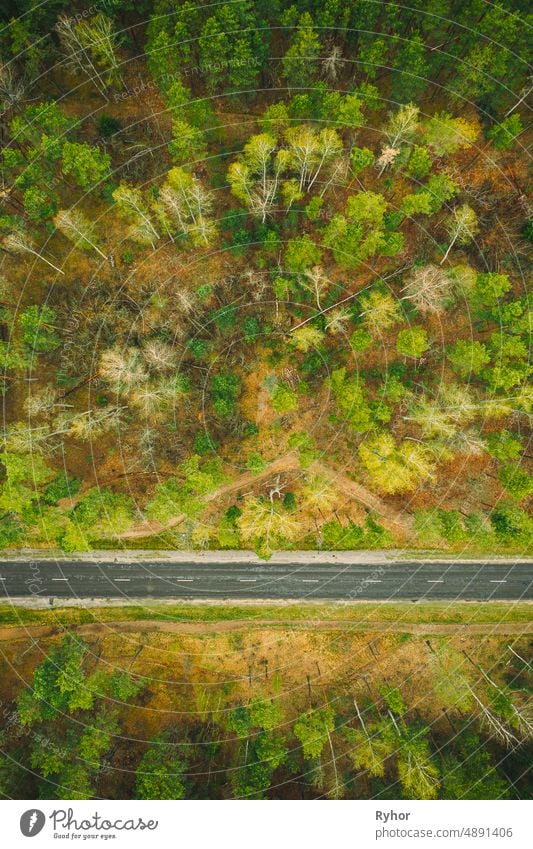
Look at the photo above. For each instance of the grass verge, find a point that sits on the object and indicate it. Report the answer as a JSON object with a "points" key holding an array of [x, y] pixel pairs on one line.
{"points": [[415, 612]]}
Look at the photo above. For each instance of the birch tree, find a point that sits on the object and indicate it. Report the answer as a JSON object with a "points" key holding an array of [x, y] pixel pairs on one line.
{"points": [[400, 128], [131, 205], [429, 288], [186, 206], [20, 243], [462, 226], [77, 229]]}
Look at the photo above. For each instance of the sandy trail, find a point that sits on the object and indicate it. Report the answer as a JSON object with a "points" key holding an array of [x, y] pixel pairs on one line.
{"points": [[98, 629]]}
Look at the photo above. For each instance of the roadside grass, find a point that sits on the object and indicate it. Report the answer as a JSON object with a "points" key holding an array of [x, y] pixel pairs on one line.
{"points": [[308, 613]]}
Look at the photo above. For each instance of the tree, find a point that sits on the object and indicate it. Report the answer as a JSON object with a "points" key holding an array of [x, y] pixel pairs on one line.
{"points": [[186, 206], [266, 525], [351, 400], [88, 165], [233, 46], [411, 69], [369, 750], [468, 357], [59, 684], [462, 227], [468, 772], [40, 204], [300, 63], [419, 163], [255, 178], [429, 288], [504, 134], [103, 513], [393, 468], [225, 389], [188, 143], [311, 153], [487, 289], [399, 129], [160, 774], [379, 311], [504, 445], [130, 204], [301, 253], [418, 773], [366, 207], [24, 475], [517, 482], [122, 371], [75, 227], [412, 342], [38, 328], [445, 135], [284, 399], [419, 203], [312, 729], [20, 243], [361, 158], [454, 407], [91, 46], [305, 338]]}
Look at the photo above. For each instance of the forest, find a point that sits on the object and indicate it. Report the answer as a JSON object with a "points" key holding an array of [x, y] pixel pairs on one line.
{"points": [[148, 715], [264, 285], [264, 275]]}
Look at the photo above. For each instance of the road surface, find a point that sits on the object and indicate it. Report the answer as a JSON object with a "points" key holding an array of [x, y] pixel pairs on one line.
{"points": [[413, 580]]}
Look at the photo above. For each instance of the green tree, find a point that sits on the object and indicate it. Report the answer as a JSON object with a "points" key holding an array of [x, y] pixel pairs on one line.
{"points": [[40, 204], [468, 772], [301, 253], [313, 729], [517, 482], [300, 63], [380, 311], [225, 389], [39, 329], [88, 165], [468, 357], [188, 143], [394, 468], [351, 400], [412, 342], [504, 134], [445, 135], [267, 525], [419, 163], [410, 69], [284, 399], [160, 774]]}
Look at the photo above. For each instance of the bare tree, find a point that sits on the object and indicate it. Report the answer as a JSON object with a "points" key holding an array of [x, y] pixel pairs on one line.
{"points": [[20, 243], [76, 227], [429, 288], [462, 227]]}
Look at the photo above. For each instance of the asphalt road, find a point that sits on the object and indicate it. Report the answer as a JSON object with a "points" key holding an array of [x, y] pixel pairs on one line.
{"points": [[384, 581]]}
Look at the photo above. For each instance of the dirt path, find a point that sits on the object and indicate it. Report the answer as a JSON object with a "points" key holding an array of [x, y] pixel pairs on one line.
{"points": [[360, 493], [9, 634], [287, 463]]}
